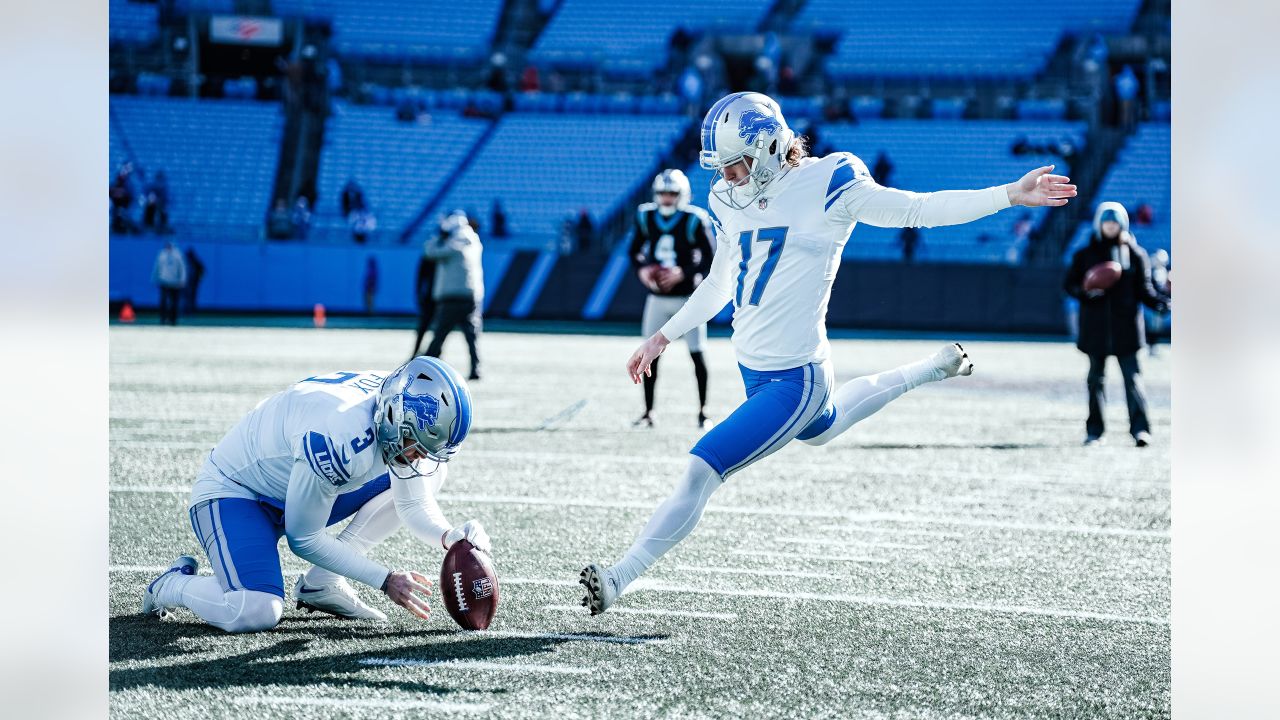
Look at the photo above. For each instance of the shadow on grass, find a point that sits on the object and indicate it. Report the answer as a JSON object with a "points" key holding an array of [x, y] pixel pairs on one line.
{"points": [[302, 652]]}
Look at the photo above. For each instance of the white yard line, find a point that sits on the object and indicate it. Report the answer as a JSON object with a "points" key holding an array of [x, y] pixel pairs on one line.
{"points": [[735, 510], [760, 573], [641, 611], [344, 703], [809, 556], [648, 585], [886, 531], [850, 543], [576, 637], [477, 665]]}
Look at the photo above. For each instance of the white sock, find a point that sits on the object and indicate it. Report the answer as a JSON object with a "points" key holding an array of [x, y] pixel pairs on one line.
{"points": [[860, 398], [374, 522], [233, 611], [671, 522]]}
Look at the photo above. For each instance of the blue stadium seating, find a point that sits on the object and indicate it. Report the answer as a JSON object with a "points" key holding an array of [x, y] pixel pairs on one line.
{"points": [[632, 40], [1140, 174], [399, 165], [939, 155], [133, 23], [434, 30], [220, 156], [994, 38], [546, 167]]}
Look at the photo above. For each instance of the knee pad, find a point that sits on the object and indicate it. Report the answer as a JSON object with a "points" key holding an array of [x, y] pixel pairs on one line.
{"points": [[258, 610]]}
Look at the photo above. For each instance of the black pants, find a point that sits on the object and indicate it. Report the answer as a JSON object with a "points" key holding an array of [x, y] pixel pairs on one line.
{"points": [[169, 305], [1134, 394], [451, 313], [426, 313]]}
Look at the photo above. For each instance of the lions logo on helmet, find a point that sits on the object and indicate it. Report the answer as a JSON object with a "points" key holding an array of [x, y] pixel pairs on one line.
{"points": [[737, 129], [424, 406], [753, 122]]}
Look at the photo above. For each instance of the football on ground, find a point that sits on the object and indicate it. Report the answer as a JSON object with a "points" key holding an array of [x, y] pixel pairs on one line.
{"points": [[469, 586]]}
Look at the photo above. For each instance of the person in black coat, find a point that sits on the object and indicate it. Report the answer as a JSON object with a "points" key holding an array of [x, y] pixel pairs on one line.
{"points": [[1111, 321], [423, 286]]}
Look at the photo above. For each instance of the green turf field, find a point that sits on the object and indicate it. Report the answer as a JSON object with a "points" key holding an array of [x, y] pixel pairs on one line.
{"points": [[957, 555]]}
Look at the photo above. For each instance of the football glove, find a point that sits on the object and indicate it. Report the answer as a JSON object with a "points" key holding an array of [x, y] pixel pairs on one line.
{"points": [[471, 531]]}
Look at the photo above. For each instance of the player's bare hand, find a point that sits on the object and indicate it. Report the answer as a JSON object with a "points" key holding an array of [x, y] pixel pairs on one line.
{"points": [[643, 357], [648, 276], [1040, 188], [403, 586], [670, 278]]}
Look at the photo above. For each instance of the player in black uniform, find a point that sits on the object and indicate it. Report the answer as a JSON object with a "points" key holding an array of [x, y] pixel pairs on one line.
{"points": [[671, 252]]}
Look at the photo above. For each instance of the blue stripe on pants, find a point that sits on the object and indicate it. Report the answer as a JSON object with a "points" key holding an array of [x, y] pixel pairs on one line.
{"points": [[780, 404]]}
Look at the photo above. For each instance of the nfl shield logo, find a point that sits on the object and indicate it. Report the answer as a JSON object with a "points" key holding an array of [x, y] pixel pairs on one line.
{"points": [[764, 203], [481, 588]]}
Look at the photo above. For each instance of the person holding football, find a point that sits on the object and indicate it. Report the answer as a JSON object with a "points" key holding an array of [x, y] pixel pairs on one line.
{"points": [[370, 444], [781, 220], [671, 253]]}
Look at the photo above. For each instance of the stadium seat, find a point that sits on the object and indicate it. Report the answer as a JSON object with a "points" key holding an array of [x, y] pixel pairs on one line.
{"points": [[952, 38], [636, 43], [546, 167], [434, 30], [399, 165], [133, 23], [220, 155], [1140, 174]]}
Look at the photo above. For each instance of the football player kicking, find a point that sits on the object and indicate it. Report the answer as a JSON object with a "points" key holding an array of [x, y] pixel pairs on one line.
{"points": [[781, 220], [326, 448], [671, 252]]}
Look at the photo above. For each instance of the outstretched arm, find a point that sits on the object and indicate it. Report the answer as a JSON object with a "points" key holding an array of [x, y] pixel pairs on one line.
{"points": [[873, 204], [306, 511]]}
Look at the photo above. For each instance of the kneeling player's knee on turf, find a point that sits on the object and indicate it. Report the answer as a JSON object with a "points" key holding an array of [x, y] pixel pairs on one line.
{"points": [[258, 611]]}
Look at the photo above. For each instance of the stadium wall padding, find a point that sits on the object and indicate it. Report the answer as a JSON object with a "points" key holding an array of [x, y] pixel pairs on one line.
{"points": [[293, 277]]}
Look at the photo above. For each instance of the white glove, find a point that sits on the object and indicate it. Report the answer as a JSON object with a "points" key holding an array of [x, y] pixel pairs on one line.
{"points": [[471, 531]]}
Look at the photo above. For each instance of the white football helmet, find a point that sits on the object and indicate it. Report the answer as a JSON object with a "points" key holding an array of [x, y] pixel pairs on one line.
{"points": [[425, 405], [672, 180], [740, 126]]}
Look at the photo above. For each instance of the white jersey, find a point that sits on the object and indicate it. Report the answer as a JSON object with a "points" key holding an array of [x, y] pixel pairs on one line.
{"points": [[305, 446], [326, 421], [777, 258]]}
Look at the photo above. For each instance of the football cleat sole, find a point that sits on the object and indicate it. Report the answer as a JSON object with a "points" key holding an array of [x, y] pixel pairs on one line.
{"points": [[593, 579], [956, 362]]}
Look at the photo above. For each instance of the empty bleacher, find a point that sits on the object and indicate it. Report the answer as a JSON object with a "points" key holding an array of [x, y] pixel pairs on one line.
{"points": [[637, 36], [1140, 174], [399, 165], [429, 30], [133, 23], [546, 167], [220, 156], [953, 38]]}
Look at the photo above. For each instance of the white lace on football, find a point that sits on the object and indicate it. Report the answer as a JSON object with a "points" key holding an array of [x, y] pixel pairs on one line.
{"points": [[457, 590]]}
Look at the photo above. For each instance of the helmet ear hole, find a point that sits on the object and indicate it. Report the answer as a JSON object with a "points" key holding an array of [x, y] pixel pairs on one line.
{"points": [[773, 147]]}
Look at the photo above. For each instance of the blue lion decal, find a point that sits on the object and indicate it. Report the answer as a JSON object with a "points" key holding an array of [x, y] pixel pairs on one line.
{"points": [[425, 408], [753, 122]]}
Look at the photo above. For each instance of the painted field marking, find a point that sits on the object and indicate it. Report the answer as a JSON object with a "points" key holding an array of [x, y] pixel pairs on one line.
{"points": [[576, 637], [641, 611], [645, 584], [850, 543], [755, 572], [888, 531], [340, 703], [456, 664], [809, 556], [736, 510], [648, 585]]}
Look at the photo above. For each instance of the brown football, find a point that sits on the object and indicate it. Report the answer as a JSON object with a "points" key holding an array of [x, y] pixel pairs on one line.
{"points": [[469, 586], [1102, 276]]}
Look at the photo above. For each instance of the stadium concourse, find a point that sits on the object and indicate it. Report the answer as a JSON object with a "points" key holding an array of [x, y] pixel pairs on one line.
{"points": [[960, 556]]}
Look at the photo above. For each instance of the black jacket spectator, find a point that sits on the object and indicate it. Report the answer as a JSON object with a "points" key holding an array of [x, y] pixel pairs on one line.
{"points": [[1112, 324]]}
